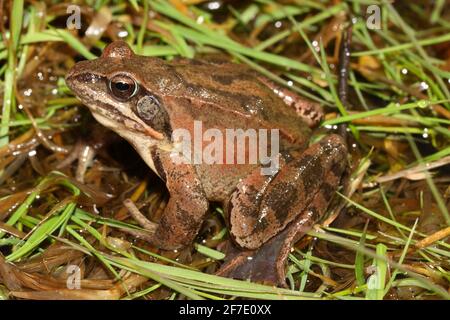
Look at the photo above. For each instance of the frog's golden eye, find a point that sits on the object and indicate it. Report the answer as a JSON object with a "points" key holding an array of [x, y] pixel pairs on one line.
{"points": [[123, 87]]}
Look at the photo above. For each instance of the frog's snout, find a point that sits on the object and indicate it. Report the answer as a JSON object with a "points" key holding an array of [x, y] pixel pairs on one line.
{"points": [[70, 74], [73, 77], [70, 78]]}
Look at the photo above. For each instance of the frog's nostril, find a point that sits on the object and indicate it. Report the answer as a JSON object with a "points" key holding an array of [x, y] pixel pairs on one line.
{"points": [[71, 75], [85, 78]]}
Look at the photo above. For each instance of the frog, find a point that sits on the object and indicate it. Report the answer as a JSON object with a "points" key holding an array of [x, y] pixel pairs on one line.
{"points": [[146, 99]]}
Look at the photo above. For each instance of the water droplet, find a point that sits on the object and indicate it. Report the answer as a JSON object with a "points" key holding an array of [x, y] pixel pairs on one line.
{"points": [[28, 92], [423, 103], [315, 44], [214, 5], [424, 85], [122, 34], [200, 19]]}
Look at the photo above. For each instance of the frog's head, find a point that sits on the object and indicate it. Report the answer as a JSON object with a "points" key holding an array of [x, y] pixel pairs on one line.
{"points": [[116, 90]]}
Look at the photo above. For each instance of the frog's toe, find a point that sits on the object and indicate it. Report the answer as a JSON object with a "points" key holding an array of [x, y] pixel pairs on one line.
{"points": [[265, 265]]}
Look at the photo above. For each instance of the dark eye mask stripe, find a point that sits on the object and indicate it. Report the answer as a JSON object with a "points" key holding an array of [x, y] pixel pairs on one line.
{"points": [[113, 114], [107, 110]]}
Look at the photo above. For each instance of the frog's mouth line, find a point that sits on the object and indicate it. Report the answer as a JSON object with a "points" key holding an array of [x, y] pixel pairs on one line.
{"points": [[111, 113]]}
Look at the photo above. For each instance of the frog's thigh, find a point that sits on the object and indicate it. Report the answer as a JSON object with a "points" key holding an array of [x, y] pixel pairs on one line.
{"points": [[186, 208], [256, 219]]}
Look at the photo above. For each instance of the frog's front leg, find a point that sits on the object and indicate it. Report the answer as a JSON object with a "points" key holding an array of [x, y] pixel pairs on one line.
{"points": [[187, 205], [268, 216]]}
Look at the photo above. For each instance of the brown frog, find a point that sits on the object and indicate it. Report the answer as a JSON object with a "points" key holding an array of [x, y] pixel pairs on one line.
{"points": [[145, 100]]}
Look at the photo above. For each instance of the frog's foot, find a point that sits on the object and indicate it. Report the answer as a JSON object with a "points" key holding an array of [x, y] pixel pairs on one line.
{"points": [[183, 214], [148, 234], [267, 264], [153, 233]]}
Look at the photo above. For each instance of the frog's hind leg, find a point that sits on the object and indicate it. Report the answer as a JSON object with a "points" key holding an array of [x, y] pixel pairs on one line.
{"points": [[267, 264], [262, 207], [267, 216]]}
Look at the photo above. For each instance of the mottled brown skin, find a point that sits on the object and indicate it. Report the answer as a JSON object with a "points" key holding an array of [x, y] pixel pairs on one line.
{"points": [[308, 193], [221, 95]]}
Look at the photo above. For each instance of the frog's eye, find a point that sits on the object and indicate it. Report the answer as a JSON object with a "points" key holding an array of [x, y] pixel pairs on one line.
{"points": [[123, 87]]}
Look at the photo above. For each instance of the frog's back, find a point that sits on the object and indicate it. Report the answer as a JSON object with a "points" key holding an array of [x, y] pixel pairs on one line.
{"points": [[235, 92]]}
